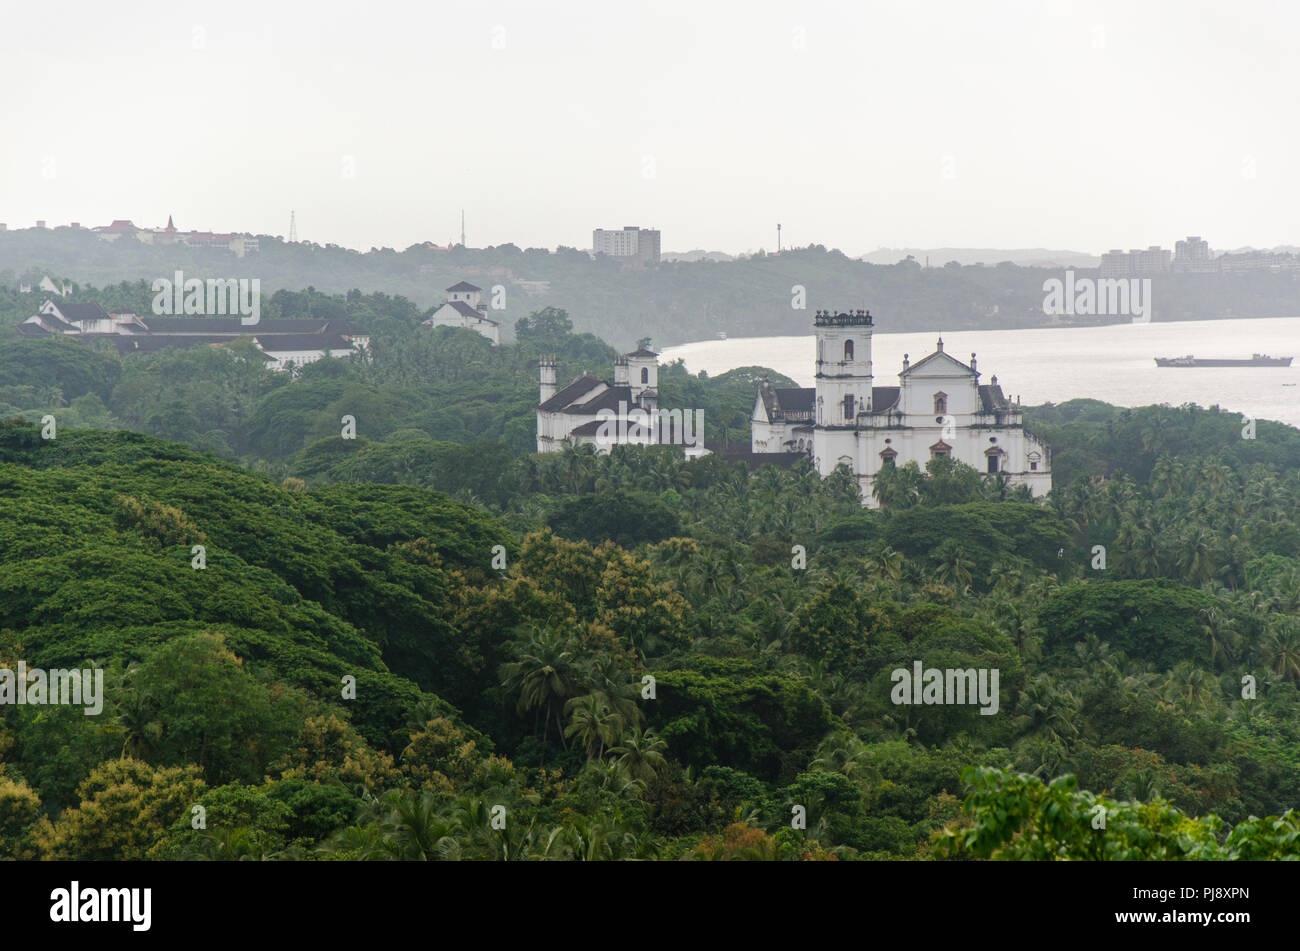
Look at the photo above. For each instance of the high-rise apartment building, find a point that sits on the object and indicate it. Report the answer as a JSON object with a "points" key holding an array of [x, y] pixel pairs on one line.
{"points": [[1192, 254], [641, 244]]}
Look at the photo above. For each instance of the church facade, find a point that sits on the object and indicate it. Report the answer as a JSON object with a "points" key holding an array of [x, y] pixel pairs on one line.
{"points": [[938, 408], [464, 307], [605, 413]]}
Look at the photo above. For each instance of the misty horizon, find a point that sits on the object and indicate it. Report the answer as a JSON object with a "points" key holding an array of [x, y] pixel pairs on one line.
{"points": [[1067, 125]]}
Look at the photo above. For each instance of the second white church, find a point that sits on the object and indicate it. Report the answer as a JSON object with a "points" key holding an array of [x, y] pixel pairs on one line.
{"points": [[938, 408]]}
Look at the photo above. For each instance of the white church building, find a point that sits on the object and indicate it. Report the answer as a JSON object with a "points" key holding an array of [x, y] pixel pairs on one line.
{"points": [[464, 307], [603, 413], [938, 408]]}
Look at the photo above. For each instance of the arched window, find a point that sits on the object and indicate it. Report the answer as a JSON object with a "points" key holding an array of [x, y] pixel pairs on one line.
{"points": [[848, 406], [848, 350], [645, 375], [941, 404]]}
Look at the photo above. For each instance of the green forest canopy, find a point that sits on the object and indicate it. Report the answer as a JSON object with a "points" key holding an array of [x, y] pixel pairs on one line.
{"points": [[389, 636]]}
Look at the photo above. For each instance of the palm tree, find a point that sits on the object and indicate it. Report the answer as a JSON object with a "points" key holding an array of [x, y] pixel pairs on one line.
{"points": [[360, 843], [1198, 554], [843, 752], [1282, 650], [617, 780], [641, 753], [1220, 638], [1142, 784], [544, 673], [1145, 550], [888, 564], [415, 826], [608, 682], [953, 565], [1043, 756], [590, 839], [1165, 474], [1047, 710], [593, 723], [580, 465], [1094, 654], [226, 844], [1138, 675], [898, 487], [426, 709], [137, 721], [1190, 686]]}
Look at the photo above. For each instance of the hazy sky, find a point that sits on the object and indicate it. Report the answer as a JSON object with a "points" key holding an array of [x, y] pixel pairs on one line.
{"points": [[1060, 123]]}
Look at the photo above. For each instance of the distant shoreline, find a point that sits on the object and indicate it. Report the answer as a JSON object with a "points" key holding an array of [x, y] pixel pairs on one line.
{"points": [[941, 329]]}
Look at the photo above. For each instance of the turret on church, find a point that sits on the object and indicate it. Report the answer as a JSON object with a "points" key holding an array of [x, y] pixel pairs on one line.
{"points": [[938, 408]]}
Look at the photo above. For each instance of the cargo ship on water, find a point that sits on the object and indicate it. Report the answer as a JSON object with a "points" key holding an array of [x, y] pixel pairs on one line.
{"points": [[1257, 360]]}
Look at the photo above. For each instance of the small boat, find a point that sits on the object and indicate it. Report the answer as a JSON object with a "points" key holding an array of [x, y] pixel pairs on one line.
{"points": [[1256, 360], [722, 336]]}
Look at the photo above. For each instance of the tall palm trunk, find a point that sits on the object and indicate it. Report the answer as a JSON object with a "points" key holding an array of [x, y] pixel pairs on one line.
{"points": [[559, 725]]}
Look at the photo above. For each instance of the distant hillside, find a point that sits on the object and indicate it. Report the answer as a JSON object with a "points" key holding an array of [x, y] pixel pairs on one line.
{"points": [[1280, 249], [697, 255], [1024, 257], [674, 302]]}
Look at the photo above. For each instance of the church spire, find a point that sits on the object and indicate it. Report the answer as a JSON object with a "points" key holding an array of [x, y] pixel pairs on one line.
{"points": [[941, 345]]}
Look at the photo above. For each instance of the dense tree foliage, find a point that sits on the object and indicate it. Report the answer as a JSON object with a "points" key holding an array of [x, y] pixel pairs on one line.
{"points": [[430, 643]]}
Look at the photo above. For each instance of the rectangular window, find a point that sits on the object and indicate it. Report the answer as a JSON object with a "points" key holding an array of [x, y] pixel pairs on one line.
{"points": [[993, 463]]}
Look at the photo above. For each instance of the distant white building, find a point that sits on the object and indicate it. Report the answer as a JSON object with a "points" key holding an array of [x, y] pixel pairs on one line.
{"points": [[69, 318], [287, 351], [601, 413], [464, 308], [1192, 255], [938, 408], [240, 244], [286, 343], [1136, 263]]}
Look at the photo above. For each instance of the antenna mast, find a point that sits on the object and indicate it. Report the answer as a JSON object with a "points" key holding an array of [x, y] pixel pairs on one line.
{"points": [[293, 228]]}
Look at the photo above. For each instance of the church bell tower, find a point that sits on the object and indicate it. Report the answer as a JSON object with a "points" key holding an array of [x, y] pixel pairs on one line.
{"points": [[843, 368]]}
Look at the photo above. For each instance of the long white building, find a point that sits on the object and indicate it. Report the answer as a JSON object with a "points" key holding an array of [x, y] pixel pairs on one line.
{"points": [[285, 343], [938, 408]]}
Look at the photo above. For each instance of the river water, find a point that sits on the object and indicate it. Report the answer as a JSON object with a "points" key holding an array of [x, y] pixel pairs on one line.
{"points": [[1115, 364]]}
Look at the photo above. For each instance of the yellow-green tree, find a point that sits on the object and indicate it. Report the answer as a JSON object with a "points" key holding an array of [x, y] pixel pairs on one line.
{"points": [[126, 808]]}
